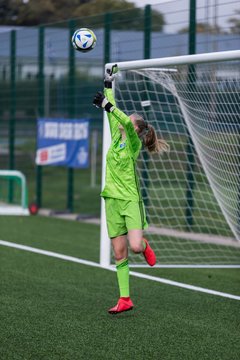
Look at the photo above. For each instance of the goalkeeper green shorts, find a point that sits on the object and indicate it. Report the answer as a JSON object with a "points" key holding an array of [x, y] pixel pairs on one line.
{"points": [[124, 215]]}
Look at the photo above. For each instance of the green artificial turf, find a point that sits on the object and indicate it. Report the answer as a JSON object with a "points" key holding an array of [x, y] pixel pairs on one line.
{"points": [[223, 280], [56, 309], [62, 236], [52, 309]]}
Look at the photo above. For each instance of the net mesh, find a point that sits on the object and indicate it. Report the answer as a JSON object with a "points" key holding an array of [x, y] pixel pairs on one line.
{"points": [[192, 194]]}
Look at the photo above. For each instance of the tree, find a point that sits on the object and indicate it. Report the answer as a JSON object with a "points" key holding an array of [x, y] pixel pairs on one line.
{"points": [[8, 12], [235, 23], [34, 12], [203, 28], [125, 14]]}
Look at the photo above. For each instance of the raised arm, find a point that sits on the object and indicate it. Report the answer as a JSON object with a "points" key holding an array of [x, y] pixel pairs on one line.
{"points": [[113, 123], [131, 134], [109, 77], [116, 116]]}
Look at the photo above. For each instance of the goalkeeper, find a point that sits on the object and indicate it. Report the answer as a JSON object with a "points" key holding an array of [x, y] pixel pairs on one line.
{"points": [[125, 211]]}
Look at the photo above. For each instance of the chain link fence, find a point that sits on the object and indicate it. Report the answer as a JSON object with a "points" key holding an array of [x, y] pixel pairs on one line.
{"points": [[42, 76]]}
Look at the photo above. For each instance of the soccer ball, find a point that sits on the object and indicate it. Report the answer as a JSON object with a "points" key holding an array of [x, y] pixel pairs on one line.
{"points": [[84, 39]]}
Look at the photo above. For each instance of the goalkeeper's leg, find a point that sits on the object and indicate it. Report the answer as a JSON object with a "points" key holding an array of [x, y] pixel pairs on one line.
{"points": [[135, 217], [139, 244], [120, 249], [117, 232]]}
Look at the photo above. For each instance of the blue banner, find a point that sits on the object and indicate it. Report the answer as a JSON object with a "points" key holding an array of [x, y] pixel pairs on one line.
{"points": [[63, 142]]}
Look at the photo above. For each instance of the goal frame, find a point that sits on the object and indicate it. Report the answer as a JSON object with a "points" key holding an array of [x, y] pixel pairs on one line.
{"points": [[16, 209], [105, 243]]}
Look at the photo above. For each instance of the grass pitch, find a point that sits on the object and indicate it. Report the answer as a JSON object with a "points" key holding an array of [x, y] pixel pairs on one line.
{"points": [[55, 309]]}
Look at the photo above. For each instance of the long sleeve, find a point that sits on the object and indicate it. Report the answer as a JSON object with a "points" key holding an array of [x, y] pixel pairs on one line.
{"points": [[132, 137], [113, 123], [121, 181], [117, 117]]}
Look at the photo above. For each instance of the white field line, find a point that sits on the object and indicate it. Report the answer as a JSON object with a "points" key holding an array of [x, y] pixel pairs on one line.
{"points": [[176, 266], [133, 273]]}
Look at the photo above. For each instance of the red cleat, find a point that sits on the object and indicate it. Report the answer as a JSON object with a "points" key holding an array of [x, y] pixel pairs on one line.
{"points": [[124, 304], [149, 254]]}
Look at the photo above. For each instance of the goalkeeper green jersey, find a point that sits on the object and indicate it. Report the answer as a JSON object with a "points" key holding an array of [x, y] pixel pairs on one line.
{"points": [[121, 181]]}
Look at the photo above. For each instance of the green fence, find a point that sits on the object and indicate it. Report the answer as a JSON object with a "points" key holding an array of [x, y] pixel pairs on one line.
{"points": [[42, 76]]}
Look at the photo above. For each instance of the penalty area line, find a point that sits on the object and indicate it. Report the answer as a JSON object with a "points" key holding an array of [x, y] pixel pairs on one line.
{"points": [[132, 273]]}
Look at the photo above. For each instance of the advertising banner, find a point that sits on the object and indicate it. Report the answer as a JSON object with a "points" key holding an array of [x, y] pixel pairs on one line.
{"points": [[63, 142]]}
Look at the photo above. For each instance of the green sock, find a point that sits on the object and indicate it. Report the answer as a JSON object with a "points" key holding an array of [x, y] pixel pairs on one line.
{"points": [[123, 277]]}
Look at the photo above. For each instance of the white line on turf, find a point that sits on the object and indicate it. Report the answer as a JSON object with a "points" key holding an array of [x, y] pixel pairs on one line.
{"points": [[185, 266], [133, 273]]}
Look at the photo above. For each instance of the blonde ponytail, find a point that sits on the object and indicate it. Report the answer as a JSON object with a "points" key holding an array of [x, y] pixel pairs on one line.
{"points": [[147, 134], [153, 143]]}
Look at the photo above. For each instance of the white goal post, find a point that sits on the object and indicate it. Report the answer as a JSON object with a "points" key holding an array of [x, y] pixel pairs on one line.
{"points": [[192, 195]]}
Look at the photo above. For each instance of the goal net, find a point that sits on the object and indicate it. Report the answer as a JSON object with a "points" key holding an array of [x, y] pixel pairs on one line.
{"points": [[192, 194]]}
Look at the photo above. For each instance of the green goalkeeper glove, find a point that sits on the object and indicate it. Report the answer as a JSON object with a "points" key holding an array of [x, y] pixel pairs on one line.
{"points": [[100, 101], [110, 75]]}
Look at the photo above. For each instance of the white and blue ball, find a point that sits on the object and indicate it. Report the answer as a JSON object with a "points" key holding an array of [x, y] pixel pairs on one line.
{"points": [[84, 40]]}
